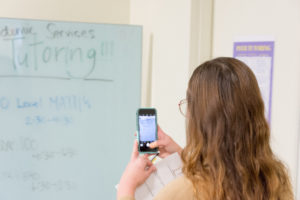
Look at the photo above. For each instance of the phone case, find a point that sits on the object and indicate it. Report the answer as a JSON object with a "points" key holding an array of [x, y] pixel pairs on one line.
{"points": [[138, 134]]}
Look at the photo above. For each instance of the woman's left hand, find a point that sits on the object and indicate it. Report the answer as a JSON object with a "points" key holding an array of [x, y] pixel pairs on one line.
{"points": [[137, 171]]}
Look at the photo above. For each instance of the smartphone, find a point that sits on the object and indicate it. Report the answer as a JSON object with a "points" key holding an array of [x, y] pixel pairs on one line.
{"points": [[146, 129]]}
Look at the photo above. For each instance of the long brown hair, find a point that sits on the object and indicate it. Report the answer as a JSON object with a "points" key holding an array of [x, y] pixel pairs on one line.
{"points": [[228, 154]]}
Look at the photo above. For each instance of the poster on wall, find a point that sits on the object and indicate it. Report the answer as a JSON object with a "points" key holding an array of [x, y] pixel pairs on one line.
{"points": [[259, 56]]}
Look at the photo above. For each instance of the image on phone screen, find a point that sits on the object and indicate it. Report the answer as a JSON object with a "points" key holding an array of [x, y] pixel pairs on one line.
{"points": [[147, 131]]}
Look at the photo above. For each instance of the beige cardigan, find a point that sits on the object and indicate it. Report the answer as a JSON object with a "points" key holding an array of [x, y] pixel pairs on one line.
{"points": [[180, 188]]}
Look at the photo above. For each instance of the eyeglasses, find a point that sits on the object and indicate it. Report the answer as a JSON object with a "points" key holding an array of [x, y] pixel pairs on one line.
{"points": [[183, 107]]}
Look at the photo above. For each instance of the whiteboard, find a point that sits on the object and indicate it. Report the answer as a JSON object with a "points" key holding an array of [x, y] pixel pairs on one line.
{"points": [[68, 96]]}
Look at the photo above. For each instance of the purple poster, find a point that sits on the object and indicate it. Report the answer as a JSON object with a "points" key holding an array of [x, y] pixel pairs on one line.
{"points": [[259, 57]]}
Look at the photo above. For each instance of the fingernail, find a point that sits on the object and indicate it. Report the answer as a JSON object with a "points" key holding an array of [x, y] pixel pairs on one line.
{"points": [[153, 144]]}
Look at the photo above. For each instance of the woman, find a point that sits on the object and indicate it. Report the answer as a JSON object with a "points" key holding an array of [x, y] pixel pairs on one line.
{"points": [[228, 154]]}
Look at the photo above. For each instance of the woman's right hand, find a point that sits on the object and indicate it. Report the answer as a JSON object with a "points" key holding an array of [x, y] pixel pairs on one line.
{"points": [[166, 145]]}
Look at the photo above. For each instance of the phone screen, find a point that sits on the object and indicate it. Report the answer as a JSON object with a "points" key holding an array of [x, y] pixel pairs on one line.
{"points": [[147, 129]]}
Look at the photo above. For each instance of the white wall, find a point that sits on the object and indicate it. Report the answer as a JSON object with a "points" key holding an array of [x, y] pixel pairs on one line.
{"points": [[166, 26], [173, 46], [280, 19], [105, 11], [182, 36]]}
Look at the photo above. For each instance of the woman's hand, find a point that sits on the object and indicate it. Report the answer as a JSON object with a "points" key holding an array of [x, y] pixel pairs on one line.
{"points": [[137, 171], [166, 145]]}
